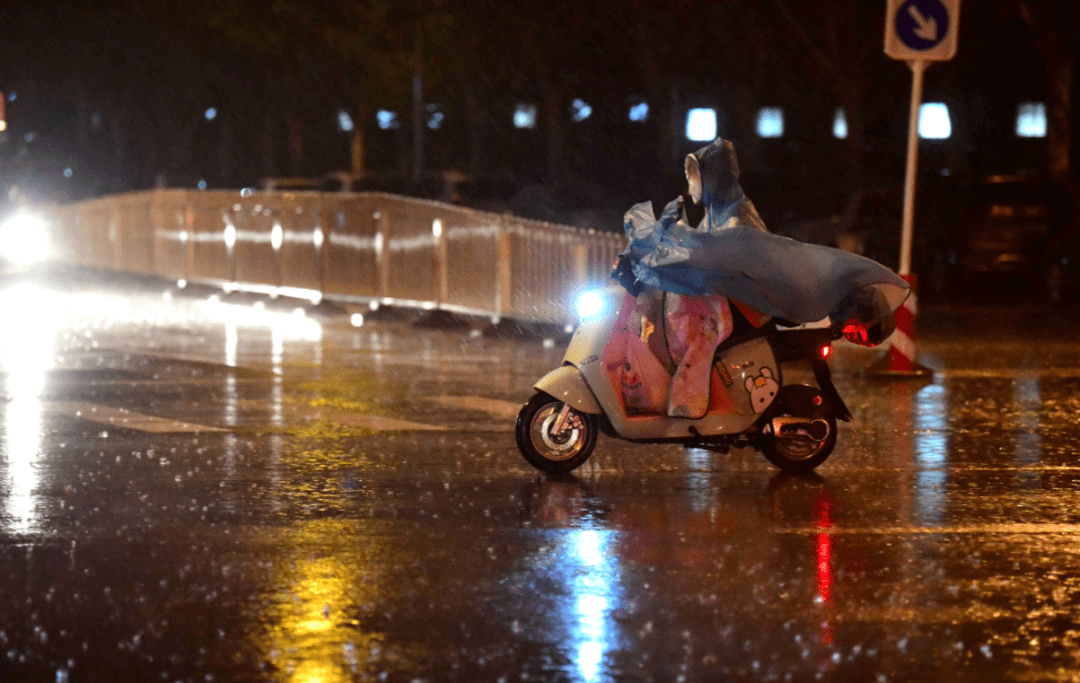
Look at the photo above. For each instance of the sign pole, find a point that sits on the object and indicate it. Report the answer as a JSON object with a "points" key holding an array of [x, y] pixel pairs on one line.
{"points": [[917, 32], [918, 66], [901, 357]]}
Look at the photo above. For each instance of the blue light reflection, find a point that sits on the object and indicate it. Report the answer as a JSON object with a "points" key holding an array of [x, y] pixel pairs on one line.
{"points": [[1027, 397], [931, 450], [592, 577]]}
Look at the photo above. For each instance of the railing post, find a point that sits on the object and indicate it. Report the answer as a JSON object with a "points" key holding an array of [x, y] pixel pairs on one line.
{"points": [[504, 274], [442, 257], [156, 227], [189, 230], [382, 251], [581, 262], [115, 233], [322, 252]]}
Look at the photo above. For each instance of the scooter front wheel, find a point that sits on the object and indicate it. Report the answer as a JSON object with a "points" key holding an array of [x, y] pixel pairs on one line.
{"points": [[550, 444]]}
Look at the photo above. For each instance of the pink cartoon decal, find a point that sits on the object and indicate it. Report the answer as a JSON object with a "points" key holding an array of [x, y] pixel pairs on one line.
{"points": [[762, 389]]}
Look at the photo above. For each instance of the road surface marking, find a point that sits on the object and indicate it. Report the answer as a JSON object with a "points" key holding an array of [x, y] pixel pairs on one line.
{"points": [[299, 412], [1009, 373], [376, 422], [1015, 528], [491, 406], [127, 419]]}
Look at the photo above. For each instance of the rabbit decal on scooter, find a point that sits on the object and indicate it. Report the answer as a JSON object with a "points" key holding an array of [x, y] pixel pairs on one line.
{"points": [[699, 339]]}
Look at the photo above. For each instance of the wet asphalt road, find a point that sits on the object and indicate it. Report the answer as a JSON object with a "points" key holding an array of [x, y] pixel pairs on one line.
{"points": [[194, 490]]}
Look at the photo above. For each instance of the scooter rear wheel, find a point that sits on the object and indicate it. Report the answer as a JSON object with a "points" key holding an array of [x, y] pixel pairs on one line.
{"points": [[802, 452], [553, 452]]}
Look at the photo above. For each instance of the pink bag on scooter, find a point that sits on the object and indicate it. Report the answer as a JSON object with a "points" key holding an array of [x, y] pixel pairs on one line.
{"points": [[640, 380]]}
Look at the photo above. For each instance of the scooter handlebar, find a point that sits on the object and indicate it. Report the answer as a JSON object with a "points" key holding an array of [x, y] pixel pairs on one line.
{"points": [[623, 271]]}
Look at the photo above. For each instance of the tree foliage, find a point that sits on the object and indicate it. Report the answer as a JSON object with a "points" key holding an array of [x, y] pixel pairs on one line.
{"points": [[124, 86]]}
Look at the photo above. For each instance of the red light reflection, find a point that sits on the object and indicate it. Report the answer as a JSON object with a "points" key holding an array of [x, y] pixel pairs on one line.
{"points": [[824, 562]]}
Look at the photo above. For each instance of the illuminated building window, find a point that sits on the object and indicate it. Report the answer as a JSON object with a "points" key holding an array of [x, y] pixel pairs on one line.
{"points": [[639, 112], [345, 122], [934, 123], [525, 116], [1031, 120], [770, 122], [580, 110], [388, 120], [839, 124], [701, 125]]}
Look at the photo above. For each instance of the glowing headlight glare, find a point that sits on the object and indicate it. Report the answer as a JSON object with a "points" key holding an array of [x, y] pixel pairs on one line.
{"points": [[23, 240], [590, 304]]}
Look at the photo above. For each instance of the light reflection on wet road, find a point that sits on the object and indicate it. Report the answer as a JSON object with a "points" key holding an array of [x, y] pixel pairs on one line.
{"points": [[196, 490]]}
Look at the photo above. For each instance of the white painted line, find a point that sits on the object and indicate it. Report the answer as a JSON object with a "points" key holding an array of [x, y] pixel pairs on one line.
{"points": [[128, 419], [495, 407]]}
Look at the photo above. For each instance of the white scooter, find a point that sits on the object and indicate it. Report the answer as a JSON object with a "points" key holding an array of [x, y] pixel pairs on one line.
{"points": [[752, 401]]}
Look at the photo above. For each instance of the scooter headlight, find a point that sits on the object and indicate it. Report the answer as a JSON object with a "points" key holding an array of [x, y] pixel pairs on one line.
{"points": [[590, 304]]}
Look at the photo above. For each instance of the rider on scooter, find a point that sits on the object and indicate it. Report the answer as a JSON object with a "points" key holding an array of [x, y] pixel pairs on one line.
{"points": [[708, 251], [696, 325]]}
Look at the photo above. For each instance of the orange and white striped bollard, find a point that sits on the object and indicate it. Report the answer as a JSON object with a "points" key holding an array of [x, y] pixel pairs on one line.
{"points": [[902, 342]]}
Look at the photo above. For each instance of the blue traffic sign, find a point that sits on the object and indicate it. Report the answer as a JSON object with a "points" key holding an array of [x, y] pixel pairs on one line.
{"points": [[921, 24]]}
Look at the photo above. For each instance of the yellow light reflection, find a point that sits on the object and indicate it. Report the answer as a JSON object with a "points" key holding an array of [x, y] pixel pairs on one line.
{"points": [[322, 576]]}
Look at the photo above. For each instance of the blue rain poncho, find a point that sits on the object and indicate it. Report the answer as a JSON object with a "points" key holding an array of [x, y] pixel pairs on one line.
{"points": [[714, 242]]}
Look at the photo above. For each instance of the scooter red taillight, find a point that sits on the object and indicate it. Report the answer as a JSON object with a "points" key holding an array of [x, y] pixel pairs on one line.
{"points": [[825, 351], [856, 333]]}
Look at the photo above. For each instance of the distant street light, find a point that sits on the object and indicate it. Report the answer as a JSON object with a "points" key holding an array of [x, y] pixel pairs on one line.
{"points": [[580, 110], [839, 126], [639, 112], [525, 116], [388, 120], [701, 125], [1031, 120], [934, 122]]}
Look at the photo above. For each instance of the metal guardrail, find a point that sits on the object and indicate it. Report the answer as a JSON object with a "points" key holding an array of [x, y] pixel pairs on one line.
{"points": [[345, 247]]}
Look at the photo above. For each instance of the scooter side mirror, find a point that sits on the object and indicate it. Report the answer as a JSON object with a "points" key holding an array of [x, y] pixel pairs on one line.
{"points": [[693, 178]]}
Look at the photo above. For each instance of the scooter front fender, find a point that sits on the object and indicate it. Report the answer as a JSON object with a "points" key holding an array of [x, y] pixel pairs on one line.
{"points": [[567, 385]]}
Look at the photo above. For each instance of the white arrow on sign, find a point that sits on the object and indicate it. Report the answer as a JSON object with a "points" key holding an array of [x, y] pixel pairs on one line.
{"points": [[927, 27]]}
